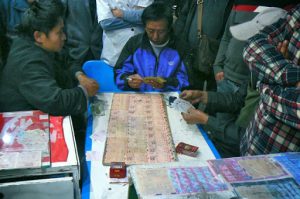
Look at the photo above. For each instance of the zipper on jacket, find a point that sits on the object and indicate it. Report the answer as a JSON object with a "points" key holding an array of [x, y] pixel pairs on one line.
{"points": [[157, 60], [156, 66]]}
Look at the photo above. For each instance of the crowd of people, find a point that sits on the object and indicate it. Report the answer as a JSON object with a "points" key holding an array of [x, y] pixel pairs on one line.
{"points": [[248, 100]]}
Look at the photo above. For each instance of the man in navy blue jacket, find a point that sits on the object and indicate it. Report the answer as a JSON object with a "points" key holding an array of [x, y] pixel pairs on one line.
{"points": [[152, 54]]}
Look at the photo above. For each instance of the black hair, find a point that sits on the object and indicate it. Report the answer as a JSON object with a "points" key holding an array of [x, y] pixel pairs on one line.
{"points": [[43, 16], [158, 11]]}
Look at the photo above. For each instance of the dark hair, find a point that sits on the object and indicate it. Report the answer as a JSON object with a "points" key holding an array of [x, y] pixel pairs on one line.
{"points": [[43, 15], [158, 11]]}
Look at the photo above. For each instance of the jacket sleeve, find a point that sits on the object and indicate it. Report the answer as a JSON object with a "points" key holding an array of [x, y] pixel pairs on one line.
{"points": [[124, 66], [221, 56], [180, 81], [228, 132], [42, 91], [283, 103], [133, 16], [268, 64], [114, 24], [226, 102]]}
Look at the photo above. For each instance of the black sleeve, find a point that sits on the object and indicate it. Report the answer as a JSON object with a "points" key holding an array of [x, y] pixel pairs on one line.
{"points": [[42, 91], [226, 102]]}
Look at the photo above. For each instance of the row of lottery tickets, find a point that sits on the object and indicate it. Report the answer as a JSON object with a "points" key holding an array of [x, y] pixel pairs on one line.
{"points": [[275, 176]]}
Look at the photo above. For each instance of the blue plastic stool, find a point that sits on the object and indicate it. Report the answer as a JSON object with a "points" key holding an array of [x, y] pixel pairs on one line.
{"points": [[102, 73]]}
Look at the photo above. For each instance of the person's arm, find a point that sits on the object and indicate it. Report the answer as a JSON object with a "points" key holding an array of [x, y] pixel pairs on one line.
{"points": [[133, 16], [112, 18], [226, 102], [106, 18], [283, 103], [124, 66], [114, 24], [265, 61], [221, 56], [41, 90], [179, 81], [217, 101], [182, 76], [76, 72]]}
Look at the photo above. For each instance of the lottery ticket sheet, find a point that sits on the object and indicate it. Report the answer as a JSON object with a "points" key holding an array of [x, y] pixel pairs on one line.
{"points": [[138, 130], [21, 134], [178, 181], [273, 176], [265, 176]]}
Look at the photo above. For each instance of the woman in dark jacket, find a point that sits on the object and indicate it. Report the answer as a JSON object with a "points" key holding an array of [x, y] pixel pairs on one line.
{"points": [[29, 80]]}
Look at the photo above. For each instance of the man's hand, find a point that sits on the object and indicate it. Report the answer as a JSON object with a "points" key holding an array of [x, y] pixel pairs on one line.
{"points": [[117, 12], [194, 96], [194, 116], [89, 84], [283, 48], [134, 81], [219, 76]]}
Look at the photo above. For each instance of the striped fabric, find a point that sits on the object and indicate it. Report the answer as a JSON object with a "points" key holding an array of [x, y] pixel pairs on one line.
{"points": [[276, 126]]}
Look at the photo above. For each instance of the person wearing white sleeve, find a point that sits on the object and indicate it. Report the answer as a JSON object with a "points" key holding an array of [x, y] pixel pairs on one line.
{"points": [[120, 20]]}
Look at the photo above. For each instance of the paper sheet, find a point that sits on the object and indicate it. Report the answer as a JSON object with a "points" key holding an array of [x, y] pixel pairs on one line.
{"points": [[138, 130], [25, 131], [168, 181], [249, 168]]}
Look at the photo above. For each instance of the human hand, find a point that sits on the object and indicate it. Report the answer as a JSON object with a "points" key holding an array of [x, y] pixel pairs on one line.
{"points": [[89, 84], [219, 76], [134, 81], [194, 116], [283, 48], [194, 96], [117, 12]]}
